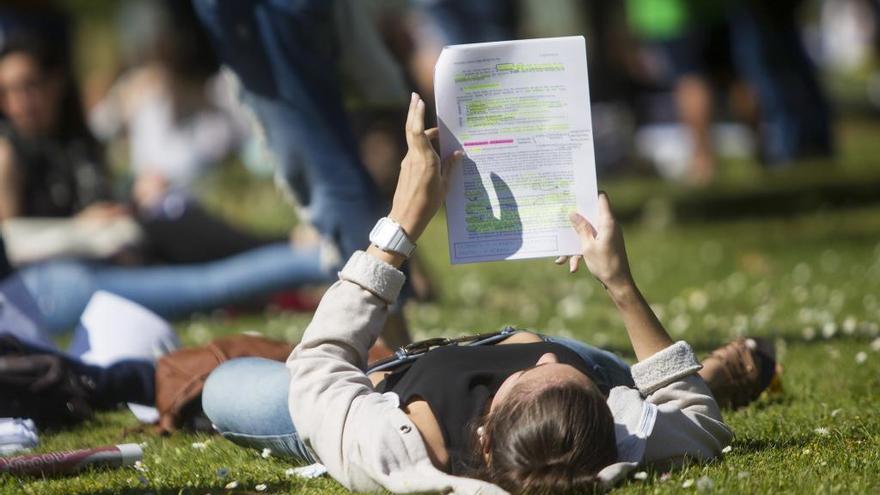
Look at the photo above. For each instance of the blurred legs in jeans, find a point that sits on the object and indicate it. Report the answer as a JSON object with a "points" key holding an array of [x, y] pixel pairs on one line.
{"points": [[62, 288], [285, 55]]}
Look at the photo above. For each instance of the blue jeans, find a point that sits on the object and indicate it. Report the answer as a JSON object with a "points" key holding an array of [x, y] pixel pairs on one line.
{"points": [[63, 288], [246, 398], [284, 52], [795, 112], [469, 21]]}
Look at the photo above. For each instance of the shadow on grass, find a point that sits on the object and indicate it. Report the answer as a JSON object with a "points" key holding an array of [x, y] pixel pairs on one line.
{"points": [[761, 445], [242, 488], [187, 490], [776, 199]]}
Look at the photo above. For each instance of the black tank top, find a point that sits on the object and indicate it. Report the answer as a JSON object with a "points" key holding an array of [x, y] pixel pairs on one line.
{"points": [[457, 382]]}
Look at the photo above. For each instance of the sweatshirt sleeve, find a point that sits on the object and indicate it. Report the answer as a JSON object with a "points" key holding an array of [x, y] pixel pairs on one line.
{"points": [[328, 383], [687, 422]]}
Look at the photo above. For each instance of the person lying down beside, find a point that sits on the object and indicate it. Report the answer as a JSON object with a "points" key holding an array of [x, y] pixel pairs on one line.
{"points": [[520, 413]]}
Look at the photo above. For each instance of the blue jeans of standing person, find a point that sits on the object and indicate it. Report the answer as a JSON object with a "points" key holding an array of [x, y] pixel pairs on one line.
{"points": [[770, 54], [284, 52], [63, 288], [246, 398], [469, 21]]}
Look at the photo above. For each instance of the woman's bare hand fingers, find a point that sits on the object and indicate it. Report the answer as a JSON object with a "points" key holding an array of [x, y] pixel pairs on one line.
{"points": [[446, 169], [573, 263], [418, 127], [408, 128]]}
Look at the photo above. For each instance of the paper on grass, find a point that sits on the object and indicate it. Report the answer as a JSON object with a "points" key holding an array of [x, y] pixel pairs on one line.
{"points": [[114, 329], [520, 110]]}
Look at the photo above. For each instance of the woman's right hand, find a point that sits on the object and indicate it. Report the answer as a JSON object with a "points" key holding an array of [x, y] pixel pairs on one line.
{"points": [[602, 248], [423, 179]]}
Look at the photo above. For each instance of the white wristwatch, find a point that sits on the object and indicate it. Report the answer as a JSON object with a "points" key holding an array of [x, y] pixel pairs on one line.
{"points": [[388, 235]]}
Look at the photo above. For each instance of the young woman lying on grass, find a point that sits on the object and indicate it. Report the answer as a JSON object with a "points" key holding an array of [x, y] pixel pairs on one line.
{"points": [[531, 413]]}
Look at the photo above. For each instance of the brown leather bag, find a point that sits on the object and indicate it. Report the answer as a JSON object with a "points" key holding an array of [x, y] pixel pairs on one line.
{"points": [[181, 375]]}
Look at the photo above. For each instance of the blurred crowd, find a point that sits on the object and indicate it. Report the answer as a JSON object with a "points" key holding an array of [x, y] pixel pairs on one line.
{"points": [[314, 92]]}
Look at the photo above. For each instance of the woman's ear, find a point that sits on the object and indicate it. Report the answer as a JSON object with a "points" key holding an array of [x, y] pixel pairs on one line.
{"points": [[483, 438]]}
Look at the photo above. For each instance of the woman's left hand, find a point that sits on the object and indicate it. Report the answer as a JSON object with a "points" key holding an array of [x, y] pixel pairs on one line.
{"points": [[424, 179]]}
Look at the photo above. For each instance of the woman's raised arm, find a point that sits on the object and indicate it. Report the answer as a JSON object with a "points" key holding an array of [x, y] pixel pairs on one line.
{"points": [[423, 181], [604, 253]]}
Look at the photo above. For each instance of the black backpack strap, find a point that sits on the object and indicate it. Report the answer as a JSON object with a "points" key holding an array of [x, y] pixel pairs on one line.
{"points": [[411, 352]]}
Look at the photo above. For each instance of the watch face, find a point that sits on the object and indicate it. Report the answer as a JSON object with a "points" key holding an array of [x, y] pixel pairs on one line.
{"points": [[389, 236], [384, 235]]}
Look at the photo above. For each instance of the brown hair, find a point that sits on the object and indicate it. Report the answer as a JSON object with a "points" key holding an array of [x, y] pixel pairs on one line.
{"points": [[553, 442]]}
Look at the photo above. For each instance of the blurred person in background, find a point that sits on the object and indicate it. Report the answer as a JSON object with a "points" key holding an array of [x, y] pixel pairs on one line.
{"points": [[687, 46], [437, 23], [769, 52], [50, 166], [299, 63], [180, 120], [170, 102], [753, 50]]}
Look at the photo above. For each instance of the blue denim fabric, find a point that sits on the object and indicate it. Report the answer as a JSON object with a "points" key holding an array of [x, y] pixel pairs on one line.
{"points": [[609, 370], [63, 288], [795, 111], [467, 21], [285, 52], [246, 398]]}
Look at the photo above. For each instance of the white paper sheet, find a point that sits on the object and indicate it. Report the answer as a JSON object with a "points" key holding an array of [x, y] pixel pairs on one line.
{"points": [[113, 329], [521, 112]]}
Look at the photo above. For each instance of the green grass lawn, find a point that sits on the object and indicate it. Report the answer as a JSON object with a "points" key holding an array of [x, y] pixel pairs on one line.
{"points": [[810, 281]]}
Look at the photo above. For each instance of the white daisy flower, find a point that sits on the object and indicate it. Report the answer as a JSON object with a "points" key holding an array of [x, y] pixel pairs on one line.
{"points": [[705, 483]]}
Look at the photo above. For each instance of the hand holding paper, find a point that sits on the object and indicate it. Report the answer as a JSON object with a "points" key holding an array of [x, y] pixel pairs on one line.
{"points": [[424, 179], [602, 247]]}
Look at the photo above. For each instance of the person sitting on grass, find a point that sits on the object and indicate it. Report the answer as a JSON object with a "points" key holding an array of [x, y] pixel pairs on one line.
{"points": [[530, 413], [51, 166]]}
